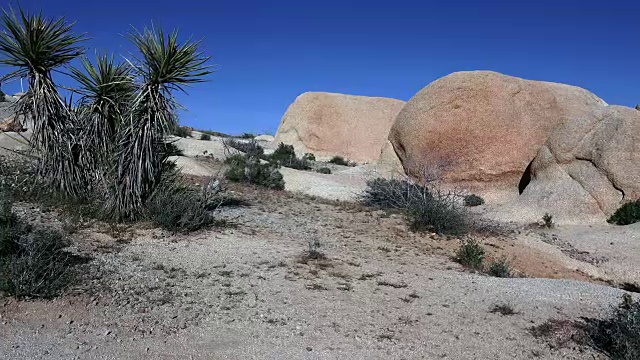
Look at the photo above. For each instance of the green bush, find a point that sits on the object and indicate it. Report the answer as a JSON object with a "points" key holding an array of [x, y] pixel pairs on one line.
{"points": [[309, 157], [339, 160], [205, 137], [33, 262], [324, 170], [425, 209], [618, 335], [215, 133], [628, 213], [170, 149], [181, 131], [285, 155], [499, 268], [246, 136], [547, 221], [251, 147], [250, 170], [473, 200], [471, 254], [180, 208]]}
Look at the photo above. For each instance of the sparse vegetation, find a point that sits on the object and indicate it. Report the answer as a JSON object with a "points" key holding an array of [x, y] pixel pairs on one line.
{"points": [[628, 213], [205, 137], [547, 221], [324, 170], [473, 200], [499, 268], [314, 251], [339, 160], [619, 334], [246, 136], [309, 157], [33, 262], [182, 131], [249, 169], [285, 155], [503, 309], [426, 210], [215, 133], [251, 147], [170, 149], [471, 254], [181, 208]]}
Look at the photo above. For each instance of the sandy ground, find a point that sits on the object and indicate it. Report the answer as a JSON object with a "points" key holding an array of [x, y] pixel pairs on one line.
{"points": [[250, 291]]}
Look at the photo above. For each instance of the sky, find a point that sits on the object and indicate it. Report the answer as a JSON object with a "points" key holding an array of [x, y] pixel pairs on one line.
{"points": [[266, 53]]}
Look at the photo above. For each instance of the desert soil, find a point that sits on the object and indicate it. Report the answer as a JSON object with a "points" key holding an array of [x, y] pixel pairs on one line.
{"points": [[250, 290]]}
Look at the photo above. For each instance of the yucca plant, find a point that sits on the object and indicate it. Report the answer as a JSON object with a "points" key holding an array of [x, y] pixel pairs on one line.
{"points": [[163, 66], [36, 46], [106, 91]]}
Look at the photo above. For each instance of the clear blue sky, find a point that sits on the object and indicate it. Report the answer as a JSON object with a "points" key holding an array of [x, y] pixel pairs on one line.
{"points": [[269, 52]]}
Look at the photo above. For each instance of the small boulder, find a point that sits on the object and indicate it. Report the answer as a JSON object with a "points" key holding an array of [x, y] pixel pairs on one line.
{"points": [[11, 124]]}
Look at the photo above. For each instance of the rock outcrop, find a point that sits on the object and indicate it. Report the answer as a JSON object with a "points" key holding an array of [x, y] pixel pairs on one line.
{"points": [[587, 168], [483, 127], [326, 124], [11, 124]]}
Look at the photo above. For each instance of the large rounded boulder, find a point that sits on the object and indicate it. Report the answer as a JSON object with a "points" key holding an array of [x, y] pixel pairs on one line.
{"points": [[483, 127], [327, 124], [586, 169]]}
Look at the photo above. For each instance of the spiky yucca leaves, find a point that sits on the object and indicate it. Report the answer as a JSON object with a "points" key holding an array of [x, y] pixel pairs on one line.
{"points": [[36, 46], [106, 91], [164, 65]]}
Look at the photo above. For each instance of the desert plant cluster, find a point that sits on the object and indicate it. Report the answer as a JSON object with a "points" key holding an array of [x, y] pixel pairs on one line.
{"points": [[426, 208], [111, 142]]}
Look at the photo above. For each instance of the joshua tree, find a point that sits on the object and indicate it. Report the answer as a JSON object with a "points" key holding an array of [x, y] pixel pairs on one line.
{"points": [[36, 46], [163, 66]]}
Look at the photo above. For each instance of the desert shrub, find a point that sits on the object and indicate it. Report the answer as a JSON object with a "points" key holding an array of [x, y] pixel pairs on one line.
{"points": [[215, 133], [499, 268], [426, 209], [246, 136], [628, 213], [438, 213], [339, 160], [250, 147], [392, 194], [205, 137], [324, 170], [2, 96], [547, 221], [473, 200], [181, 208], [170, 149], [33, 262], [39, 268], [470, 254], [285, 155], [250, 170], [618, 335], [309, 157], [181, 131]]}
